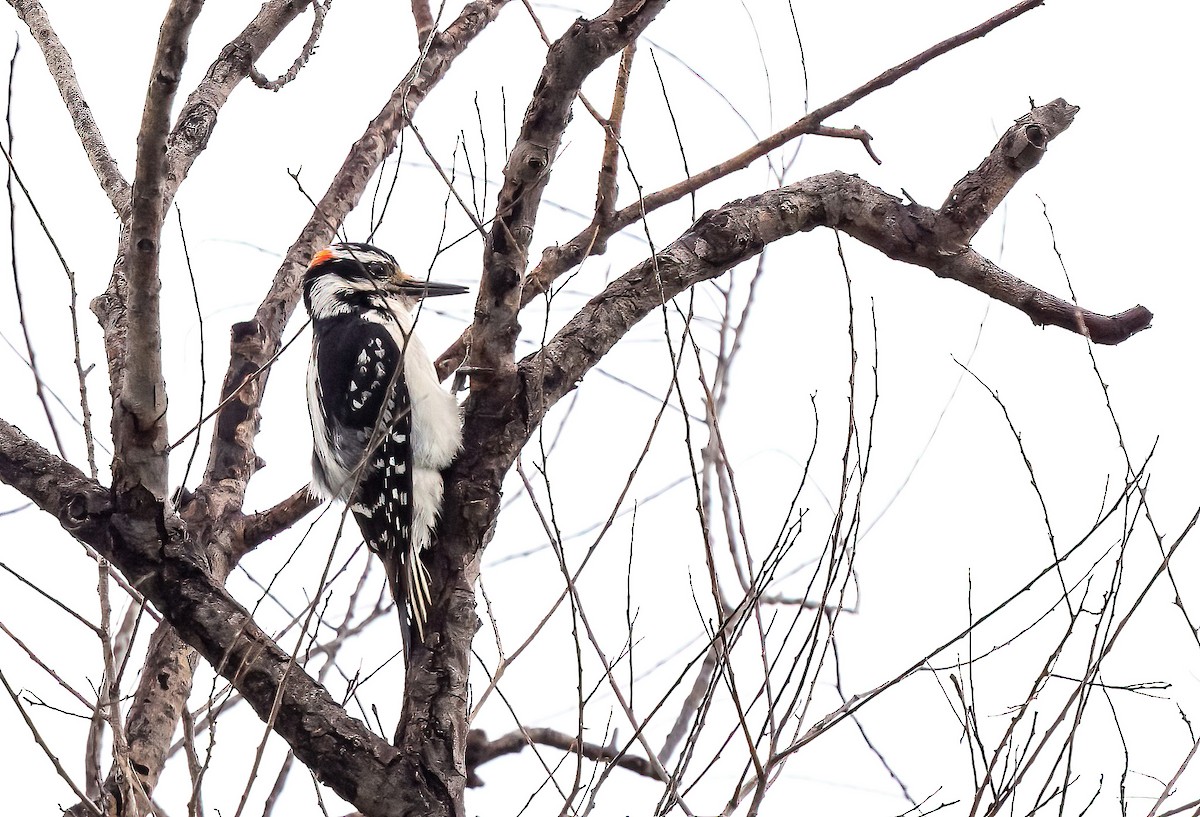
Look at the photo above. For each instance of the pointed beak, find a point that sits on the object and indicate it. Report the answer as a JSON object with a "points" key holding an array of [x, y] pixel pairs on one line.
{"points": [[418, 288]]}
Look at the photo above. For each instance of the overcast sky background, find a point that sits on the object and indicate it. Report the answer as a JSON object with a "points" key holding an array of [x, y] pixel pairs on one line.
{"points": [[951, 507]]}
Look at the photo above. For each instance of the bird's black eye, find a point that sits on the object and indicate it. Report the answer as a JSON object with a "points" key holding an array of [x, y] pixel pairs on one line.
{"points": [[377, 269]]}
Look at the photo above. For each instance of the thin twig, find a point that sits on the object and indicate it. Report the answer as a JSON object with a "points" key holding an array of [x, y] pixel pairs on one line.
{"points": [[37, 737], [58, 61], [606, 193], [109, 701], [187, 257], [516, 741], [423, 18], [306, 52], [12, 248]]}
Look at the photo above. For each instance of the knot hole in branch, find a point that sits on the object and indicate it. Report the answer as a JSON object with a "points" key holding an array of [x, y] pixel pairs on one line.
{"points": [[1028, 145]]}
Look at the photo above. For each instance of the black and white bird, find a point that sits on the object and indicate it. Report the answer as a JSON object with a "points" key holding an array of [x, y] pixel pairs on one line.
{"points": [[383, 427]]}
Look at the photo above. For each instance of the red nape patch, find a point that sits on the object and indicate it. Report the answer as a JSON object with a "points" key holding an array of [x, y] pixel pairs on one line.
{"points": [[321, 257]]}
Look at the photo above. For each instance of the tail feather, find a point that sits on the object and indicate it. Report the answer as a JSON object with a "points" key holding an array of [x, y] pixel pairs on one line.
{"points": [[408, 580], [417, 589]]}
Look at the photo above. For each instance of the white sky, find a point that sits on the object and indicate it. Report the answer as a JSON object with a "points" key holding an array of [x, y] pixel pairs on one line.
{"points": [[1116, 186]]}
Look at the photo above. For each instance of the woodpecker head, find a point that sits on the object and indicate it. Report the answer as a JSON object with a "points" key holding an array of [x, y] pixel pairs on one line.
{"points": [[346, 276]]}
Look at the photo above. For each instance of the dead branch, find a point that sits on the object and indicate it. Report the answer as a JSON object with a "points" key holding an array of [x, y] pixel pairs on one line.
{"points": [[977, 195], [306, 52], [480, 750], [261, 526]]}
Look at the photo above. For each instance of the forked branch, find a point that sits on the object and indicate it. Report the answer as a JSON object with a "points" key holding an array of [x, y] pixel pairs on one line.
{"points": [[557, 259]]}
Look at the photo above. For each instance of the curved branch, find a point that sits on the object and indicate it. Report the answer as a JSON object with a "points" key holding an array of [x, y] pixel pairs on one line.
{"points": [[726, 237], [198, 117], [306, 52]]}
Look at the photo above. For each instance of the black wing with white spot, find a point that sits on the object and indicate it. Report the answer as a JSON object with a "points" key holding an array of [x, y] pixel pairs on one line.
{"points": [[367, 404]]}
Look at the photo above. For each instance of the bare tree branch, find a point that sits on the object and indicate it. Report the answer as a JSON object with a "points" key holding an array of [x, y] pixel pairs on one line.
{"points": [[727, 236], [480, 750], [432, 731], [977, 195], [58, 61], [139, 412], [306, 52], [423, 18], [37, 738], [261, 526], [606, 185]]}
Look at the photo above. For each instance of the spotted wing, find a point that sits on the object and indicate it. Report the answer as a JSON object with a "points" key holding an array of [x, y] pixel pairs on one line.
{"points": [[370, 410]]}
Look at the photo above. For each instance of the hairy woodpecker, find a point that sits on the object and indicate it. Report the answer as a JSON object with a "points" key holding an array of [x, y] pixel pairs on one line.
{"points": [[383, 427]]}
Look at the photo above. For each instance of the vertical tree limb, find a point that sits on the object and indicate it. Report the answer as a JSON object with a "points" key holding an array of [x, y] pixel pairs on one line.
{"points": [[139, 412], [570, 60], [432, 733]]}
